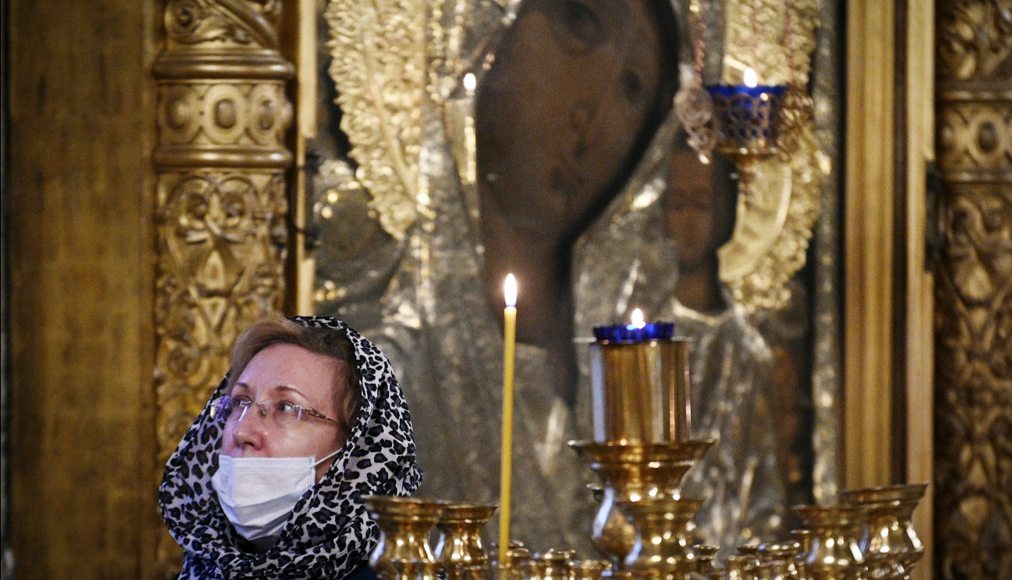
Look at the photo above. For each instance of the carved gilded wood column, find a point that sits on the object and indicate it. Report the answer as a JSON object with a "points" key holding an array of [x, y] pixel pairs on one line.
{"points": [[220, 199], [973, 315]]}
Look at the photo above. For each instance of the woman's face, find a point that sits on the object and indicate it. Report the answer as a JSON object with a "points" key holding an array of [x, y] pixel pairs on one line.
{"points": [[558, 115], [285, 373]]}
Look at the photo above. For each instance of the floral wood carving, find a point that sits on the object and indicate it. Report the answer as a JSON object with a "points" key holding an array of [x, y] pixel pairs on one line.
{"points": [[220, 200], [973, 292]]}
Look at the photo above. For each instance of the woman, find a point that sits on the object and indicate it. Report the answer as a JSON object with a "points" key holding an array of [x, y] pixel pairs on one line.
{"points": [[267, 483]]}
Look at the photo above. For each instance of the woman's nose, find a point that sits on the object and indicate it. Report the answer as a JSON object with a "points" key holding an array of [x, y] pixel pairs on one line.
{"points": [[251, 431]]}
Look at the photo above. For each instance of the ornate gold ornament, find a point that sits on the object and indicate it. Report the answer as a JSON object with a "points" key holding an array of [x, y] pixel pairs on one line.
{"points": [[973, 291], [378, 51], [779, 195], [220, 198]]}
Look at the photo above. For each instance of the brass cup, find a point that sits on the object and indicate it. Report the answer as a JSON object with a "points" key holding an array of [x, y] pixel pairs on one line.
{"points": [[781, 559], [590, 569], [633, 472], [706, 561], [552, 565], [640, 391], [834, 551], [404, 524], [740, 567], [516, 555], [663, 542], [411, 571], [459, 543], [891, 545]]}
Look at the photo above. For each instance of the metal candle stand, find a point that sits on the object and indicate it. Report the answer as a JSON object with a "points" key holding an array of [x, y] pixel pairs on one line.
{"points": [[641, 451]]}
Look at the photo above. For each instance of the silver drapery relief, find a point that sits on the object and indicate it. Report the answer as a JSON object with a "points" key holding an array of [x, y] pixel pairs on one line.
{"points": [[403, 264]]}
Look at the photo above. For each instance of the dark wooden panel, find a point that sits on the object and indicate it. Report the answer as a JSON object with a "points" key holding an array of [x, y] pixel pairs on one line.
{"points": [[82, 265]]}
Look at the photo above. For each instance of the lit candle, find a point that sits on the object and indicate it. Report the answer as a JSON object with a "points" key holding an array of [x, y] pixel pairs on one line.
{"points": [[636, 319], [509, 354], [746, 116], [751, 79]]}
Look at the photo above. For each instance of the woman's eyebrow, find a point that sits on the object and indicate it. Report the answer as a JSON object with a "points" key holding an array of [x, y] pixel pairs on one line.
{"points": [[290, 389], [280, 388]]}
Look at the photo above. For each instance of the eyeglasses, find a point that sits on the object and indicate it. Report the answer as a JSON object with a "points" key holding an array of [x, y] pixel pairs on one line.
{"points": [[283, 414]]}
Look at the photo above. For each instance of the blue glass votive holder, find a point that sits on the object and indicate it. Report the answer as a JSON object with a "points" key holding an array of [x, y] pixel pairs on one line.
{"points": [[746, 119], [640, 384], [630, 333]]}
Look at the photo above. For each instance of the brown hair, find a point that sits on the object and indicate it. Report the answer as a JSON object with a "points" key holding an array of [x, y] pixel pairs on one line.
{"points": [[325, 341]]}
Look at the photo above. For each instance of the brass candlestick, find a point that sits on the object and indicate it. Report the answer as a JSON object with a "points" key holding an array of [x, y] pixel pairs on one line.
{"points": [[460, 542], [403, 548], [740, 567], [590, 569], [633, 472], [640, 391], [891, 546], [706, 561], [781, 560], [663, 542], [834, 552]]}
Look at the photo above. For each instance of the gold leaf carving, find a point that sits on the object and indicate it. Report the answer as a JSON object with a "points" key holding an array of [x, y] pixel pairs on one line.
{"points": [[225, 22], [975, 39], [774, 38], [974, 377], [219, 200], [973, 292], [378, 50], [218, 271], [975, 135]]}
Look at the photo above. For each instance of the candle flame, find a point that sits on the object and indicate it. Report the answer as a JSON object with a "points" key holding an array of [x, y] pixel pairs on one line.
{"points": [[751, 78], [636, 319], [509, 290]]}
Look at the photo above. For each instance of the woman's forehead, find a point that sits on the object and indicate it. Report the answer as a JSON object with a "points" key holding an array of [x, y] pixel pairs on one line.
{"points": [[285, 367]]}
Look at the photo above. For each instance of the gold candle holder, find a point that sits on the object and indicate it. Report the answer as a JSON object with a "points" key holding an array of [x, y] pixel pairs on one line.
{"points": [[706, 561], [411, 571], [590, 569], [640, 391], [460, 542], [804, 541], [663, 542], [517, 557], [746, 119], [834, 552], [403, 547], [552, 565], [891, 545], [740, 567], [781, 559], [633, 472]]}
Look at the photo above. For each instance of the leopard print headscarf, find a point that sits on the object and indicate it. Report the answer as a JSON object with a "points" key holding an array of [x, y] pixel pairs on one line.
{"points": [[328, 534]]}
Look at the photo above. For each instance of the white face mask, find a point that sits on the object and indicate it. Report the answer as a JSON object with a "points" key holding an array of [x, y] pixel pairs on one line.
{"points": [[258, 493]]}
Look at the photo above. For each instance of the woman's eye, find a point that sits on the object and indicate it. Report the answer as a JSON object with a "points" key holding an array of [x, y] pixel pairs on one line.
{"points": [[288, 408], [240, 402]]}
